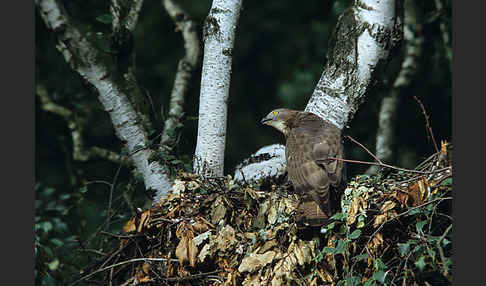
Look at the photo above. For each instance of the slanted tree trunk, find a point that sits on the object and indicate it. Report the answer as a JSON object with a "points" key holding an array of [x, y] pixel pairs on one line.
{"points": [[113, 91], [219, 35], [360, 49]]}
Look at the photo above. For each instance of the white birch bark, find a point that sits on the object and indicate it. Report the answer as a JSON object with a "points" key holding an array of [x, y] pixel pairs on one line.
{"points": [[85, 60], [219, 35], [363, 39]]}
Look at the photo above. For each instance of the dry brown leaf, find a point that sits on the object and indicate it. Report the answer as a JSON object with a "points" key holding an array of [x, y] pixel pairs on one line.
{"points": [[146, 268], [388, 205], [218, 211], [353, 211], [226, 238], [130, 225], [144, 220], [186, 249], [256, 261], [402, 197], [379, 219], [375, 242]]}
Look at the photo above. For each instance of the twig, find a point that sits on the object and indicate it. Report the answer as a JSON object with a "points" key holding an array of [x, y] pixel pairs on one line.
{"points": [[190, 277], [404, 213], [368, 151], [110, 199], [429, 129], [390, 166], [118, 264]]}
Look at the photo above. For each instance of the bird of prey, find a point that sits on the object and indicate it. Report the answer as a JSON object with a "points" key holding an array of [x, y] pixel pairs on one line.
{"points": [[310, 141]]}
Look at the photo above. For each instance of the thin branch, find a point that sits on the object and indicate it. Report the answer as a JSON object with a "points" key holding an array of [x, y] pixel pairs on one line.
{"points": [[429, 128], [118, 264], [391, 167], [80, 151], [185, 69], [368, 151]]}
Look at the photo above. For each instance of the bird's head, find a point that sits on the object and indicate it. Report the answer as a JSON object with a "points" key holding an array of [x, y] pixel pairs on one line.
{"points": [[279, 119]]}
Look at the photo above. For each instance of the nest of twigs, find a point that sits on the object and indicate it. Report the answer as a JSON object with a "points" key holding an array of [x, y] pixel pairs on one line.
{"points": [[393, 229]]}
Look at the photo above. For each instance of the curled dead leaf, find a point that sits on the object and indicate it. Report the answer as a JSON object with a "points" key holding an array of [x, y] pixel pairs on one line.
{"points": [[256, 261], [186, 249], [379, 219], [388, 205], [130, 225], [353, 211], [144, 220]]}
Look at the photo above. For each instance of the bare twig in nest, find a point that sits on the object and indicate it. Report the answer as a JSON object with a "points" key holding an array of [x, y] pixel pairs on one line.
{"points": [[191, 277], [145, 259], [391, 167], [368, 151], [429, 129]]}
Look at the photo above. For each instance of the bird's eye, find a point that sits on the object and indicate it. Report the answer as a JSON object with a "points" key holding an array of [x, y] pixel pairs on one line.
{"points": [[275, 113]]}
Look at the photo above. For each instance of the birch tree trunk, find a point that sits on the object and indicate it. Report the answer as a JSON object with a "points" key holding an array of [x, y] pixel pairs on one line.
{"points": [[112, 90], [360, 49], [219, 35], [385, 137]]}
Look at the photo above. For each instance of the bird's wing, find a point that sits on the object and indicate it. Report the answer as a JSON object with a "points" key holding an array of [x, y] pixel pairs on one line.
{"points": [[329, 146]]}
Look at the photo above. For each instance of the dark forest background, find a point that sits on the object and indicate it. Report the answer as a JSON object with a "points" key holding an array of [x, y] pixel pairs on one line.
{"points": [[279, 55]]}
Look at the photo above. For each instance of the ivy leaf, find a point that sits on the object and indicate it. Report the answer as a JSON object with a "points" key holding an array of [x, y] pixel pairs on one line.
{"points": [[404, 248], [420, 225], [379, 276], [355, 234], [341, 246], [57, 242], [338, 216], [329, 250], [379, 265], [54, 264], [420, 263]]}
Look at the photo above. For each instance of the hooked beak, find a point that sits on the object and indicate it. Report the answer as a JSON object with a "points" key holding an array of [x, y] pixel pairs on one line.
{"points": [[265, 120]]}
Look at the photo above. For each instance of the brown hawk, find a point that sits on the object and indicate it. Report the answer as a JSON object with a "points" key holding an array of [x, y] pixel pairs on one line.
{"points": [[310, 141]]}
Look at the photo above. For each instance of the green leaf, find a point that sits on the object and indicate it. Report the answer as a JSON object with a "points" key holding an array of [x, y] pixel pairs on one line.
{"points": [[54, 264], [105, 18], [379, 265], [420, 263], [370, 282], [341, 246], [57, 242], [83, 189], [420, 225], [404, 248], [46, 226], [338, 216], [329, 250], [48, 192], [445, 241], [355, 234], [64, 197], [447, 181], [379, 276], [353, 281]]}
